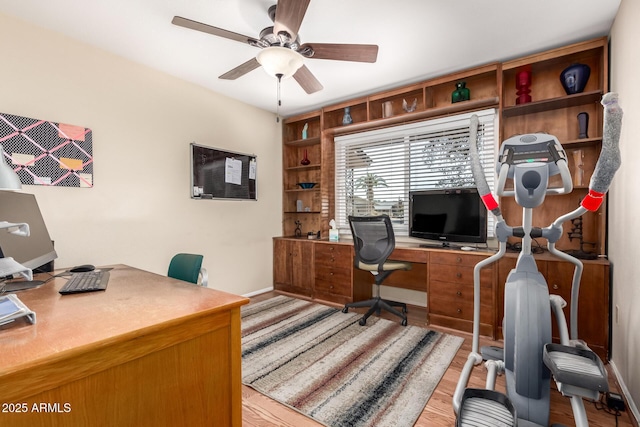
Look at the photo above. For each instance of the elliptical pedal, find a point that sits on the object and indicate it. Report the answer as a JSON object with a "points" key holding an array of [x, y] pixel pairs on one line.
{"points": [[481, 408], [577, 371]]}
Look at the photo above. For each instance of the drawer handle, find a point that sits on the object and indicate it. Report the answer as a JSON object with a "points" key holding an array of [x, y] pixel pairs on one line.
{"points": [[459, 293], [331, 248], [331, 274], [556, 287], [458, 275], [459, 310], [458, 259]]}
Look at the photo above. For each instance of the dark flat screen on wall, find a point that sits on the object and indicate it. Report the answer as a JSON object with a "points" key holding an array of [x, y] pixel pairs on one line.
{"points": [[221, 174]]}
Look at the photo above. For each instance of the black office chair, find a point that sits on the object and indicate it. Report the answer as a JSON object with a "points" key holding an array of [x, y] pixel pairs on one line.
{"points": [[373, 241]]}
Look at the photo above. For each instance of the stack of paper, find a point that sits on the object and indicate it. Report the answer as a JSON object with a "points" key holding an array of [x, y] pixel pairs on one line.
{"points": [[11, 308]]}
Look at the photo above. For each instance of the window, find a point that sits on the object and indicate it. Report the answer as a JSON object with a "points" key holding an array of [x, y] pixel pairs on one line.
{"points": [[375, 170]]}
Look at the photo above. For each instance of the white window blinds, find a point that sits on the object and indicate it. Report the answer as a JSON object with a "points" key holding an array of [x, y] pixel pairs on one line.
{"points": [[375, 170]]}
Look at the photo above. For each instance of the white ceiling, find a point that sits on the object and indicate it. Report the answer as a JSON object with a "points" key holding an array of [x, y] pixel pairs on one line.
{"points": [[418, 39]]}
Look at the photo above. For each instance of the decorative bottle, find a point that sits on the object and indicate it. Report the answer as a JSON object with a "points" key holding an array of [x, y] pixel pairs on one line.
{"points": [[346, 119], [462, 93], [305, 160]]}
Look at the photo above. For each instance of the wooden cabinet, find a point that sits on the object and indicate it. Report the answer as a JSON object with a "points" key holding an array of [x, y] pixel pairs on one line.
{"points": [[301, 204], [293, 266], [447, 276], [333, 266], [450, 292], [432, 99], [553, 111], [315, 269], [593, 299]]}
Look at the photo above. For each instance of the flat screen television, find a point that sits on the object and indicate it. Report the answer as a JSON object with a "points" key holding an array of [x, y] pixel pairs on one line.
{"points": [[448, 215], [33, 251]]}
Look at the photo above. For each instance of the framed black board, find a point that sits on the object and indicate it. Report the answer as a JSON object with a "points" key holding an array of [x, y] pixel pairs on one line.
{"points": [[221, 174]]}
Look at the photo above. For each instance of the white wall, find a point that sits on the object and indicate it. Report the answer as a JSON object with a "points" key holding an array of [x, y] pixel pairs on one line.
{"points": [[624, 205], [139, 211]]}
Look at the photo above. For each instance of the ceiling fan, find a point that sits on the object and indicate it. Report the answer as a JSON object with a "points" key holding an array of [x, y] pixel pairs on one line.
{"points": [[282, 41]]}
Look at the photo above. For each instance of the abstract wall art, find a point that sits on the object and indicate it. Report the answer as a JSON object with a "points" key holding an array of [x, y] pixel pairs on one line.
{"points": [[47, 153]]}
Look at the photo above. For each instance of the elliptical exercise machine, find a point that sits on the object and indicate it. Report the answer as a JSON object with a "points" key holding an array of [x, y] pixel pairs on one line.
{"points": [[529, 359]]}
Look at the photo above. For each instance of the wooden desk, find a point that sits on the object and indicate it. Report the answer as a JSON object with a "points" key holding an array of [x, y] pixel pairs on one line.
{"points": [[323, 271], [444, 275], [147, 351]]}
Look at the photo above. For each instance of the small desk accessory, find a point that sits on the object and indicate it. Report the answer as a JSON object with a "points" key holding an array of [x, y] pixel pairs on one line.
{"points": [[11, 308]]}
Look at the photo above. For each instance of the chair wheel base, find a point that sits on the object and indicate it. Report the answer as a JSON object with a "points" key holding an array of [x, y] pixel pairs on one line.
{"points": [[362, 322], [345, 310], [404, 322]]}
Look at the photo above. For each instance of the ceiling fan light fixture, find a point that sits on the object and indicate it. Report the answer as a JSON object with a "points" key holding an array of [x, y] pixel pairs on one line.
{"points": [[280, 60]]}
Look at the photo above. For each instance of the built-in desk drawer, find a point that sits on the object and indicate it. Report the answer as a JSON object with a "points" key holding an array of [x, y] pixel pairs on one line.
{"points": [[338, 285], [333, 267], [450, 291], [459, 274], [340, 256], [333, 274], [456, 300], [450, 258]]}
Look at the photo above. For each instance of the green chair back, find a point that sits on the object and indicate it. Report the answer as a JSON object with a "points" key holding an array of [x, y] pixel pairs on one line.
{"points": [[185, 267]]}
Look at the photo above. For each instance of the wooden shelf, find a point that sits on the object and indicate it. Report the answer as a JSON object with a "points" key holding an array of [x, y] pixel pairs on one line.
{"points": [[578, 143], [456, 108], [552, 104], [303, 167], [303, 190], [304, 142]]}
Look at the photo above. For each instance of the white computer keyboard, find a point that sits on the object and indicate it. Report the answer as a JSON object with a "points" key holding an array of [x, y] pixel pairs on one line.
{"points": [[9, 266]]}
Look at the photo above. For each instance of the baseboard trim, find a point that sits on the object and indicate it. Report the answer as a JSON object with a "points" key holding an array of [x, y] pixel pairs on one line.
{"points": [[261, 291], [631, 406]]}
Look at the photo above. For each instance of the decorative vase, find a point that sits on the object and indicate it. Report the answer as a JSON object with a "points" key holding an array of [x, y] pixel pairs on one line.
{"points": [[305, 160], [583, 125], [461, 93], [387, 109], [523, 85], [346, 119], [574, 78]]}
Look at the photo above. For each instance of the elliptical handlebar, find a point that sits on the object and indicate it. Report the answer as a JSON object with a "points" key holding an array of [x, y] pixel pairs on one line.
{"points": [[605, 169], [478, 174], [609, 160]]}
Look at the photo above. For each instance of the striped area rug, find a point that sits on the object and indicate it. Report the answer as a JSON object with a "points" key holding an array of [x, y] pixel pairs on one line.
{"points": [[322, 363]]}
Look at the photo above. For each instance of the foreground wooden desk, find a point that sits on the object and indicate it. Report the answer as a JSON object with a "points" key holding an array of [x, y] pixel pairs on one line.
{"points": [[149, 351]]}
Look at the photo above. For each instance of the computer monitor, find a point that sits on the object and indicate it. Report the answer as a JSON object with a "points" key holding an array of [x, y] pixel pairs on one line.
{"points": [[35, 250]]}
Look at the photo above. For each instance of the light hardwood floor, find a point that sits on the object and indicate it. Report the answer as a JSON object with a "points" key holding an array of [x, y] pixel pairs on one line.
{"points": [[260, 411]]}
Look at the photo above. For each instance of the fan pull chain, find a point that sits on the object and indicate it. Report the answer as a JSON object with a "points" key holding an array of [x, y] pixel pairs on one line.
{"points": [[279, 76]]}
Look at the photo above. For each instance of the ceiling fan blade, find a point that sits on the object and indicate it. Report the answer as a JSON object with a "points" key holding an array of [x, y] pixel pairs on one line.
{"points": [[199, 26], [241, 70], [341, 52], [289, 15], [307, 80]]}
